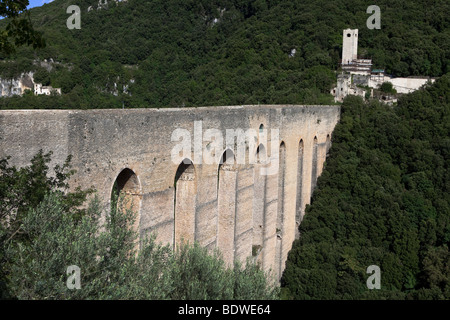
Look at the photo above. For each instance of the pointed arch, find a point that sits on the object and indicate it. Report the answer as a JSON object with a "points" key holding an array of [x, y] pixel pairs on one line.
{"points": [[126, 182], [127, 188], [328, 145], [261, 128], [314, 171], [261, 154], [280, 228], [259, 205], [226, 205], [185, 192], [227, 158], [299, 200]]}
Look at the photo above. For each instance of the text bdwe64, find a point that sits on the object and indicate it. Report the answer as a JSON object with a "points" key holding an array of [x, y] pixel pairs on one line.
{"points": [[246, 309]]}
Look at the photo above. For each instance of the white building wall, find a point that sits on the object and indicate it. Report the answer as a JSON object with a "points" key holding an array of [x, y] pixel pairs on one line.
{"points": [[406, 85], [402, 85]]}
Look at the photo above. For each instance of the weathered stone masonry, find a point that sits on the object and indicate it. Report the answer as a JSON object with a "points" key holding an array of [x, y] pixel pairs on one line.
{"points": [[227, 205]]}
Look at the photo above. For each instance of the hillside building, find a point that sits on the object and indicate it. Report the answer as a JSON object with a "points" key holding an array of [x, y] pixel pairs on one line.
{"points": [[358, 77], [47, 90], [350, 62]]}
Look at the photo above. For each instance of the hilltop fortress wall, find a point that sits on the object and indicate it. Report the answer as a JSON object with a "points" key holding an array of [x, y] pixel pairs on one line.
{"points": [[223, 204]]}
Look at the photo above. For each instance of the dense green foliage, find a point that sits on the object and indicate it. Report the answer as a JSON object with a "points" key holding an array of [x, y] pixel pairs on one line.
{"points": [[19, 28], [387, 87], [42, 234], [178, 55], [23, 189], [110, 267], [383, 199]]}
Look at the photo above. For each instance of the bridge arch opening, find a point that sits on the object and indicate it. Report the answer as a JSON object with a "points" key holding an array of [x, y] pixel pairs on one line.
{"points": [[259, 205], [299, 200], [261, 155], [261, 128], [328, 144], [226, 204], [314, 171], [126, 194], [262, 135], [185, 192], [280, 228]]}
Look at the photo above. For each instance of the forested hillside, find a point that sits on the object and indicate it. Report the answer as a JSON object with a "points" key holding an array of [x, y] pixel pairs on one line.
{"points": [[172, 53], [383, 199]]}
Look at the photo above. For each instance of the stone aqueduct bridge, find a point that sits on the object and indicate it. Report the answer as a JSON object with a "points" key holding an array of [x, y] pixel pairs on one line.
{"points": [[230, 206]]}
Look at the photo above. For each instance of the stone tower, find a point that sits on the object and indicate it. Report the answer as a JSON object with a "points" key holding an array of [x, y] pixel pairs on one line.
{"points": [[349, 45]]}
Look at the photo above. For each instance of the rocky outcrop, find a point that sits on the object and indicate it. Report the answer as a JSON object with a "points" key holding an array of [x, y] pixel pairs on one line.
{"points": [[103, 4], [17, 86]]}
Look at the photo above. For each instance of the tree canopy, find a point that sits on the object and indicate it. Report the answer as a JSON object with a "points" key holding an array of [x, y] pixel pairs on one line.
{"points": [[383, 199], [176, 53], [19, 29]]}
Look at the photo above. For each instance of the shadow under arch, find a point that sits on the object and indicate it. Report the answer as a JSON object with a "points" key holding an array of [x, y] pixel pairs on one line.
{"points": [[261, 154], [227, 158], [259, 202], [280, 227], [226, 205], [185, 192], [126, 194], [261, 128], [314, 165], [299, 198], [328, 144]]}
